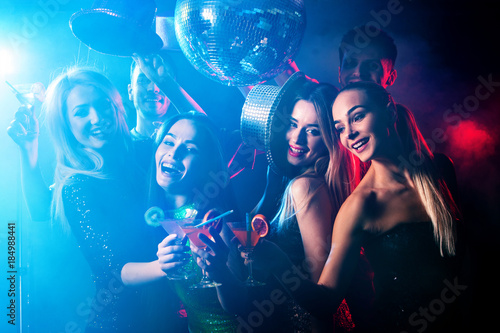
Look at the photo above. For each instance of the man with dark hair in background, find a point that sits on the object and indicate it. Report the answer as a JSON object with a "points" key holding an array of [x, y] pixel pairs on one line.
{"points": [[367, 54], [151, 104], [155, 94]]}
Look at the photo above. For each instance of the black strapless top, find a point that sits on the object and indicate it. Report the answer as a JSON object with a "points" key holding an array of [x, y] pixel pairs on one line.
{"points": [[410, 276]]}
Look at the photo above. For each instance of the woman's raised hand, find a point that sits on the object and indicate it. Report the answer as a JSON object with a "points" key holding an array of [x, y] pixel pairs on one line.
{"points": [[172, 255], [214, 261], [24, 128], [24, 132]]}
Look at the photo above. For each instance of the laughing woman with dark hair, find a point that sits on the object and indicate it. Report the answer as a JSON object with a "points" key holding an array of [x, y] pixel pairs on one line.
{"points": [[188, 160]]}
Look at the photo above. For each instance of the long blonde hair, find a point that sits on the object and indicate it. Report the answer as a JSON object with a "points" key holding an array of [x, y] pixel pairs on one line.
{"points": [[418, 160], [73, 158], [321, 96]]}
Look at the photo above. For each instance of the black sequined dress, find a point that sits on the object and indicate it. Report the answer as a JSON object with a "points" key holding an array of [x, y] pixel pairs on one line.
{"points": [[290, 241], [106, 218], [415, 287]]}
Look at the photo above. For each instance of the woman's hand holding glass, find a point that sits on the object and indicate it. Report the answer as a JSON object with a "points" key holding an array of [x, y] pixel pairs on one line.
{"points": [[24, 128], [172, 255], [24, 132]]}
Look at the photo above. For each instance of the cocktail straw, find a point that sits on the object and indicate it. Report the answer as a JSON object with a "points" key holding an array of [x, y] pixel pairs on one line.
{"points": [[249, 229], [214, 219]]}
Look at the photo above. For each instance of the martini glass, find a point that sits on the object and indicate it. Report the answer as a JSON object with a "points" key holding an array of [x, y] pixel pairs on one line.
{"points": [[171, 226], [189, 227], [248, 238], [157, 124], [28, 94]]}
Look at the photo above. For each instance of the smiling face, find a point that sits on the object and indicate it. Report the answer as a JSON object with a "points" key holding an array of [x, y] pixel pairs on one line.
{"points": [[91, 116], [366, 65], [148, 99], [182, 157], [305, 144], [361, 125]]}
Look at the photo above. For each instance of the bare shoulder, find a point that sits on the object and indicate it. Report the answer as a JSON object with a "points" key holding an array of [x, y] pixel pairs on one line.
{"points": [[358, 206], [361, 197], [305, 186], [310, 192]]}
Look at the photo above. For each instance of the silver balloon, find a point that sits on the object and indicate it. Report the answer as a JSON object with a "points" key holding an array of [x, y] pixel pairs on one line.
{"points": [[239, 42]]}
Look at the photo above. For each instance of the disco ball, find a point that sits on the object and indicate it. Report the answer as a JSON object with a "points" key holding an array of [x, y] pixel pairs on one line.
{"points": [[239, 42]]}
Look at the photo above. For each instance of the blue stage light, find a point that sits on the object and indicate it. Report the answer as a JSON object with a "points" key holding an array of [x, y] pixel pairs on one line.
{"points": [[7, 62]]}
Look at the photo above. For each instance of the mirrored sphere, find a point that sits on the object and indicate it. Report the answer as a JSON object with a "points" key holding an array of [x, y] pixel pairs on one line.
{"points": [[239, 42]]}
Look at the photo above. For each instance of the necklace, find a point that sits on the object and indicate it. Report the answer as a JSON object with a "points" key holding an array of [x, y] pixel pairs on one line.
{"points": [[184, 212], [136, 136]]}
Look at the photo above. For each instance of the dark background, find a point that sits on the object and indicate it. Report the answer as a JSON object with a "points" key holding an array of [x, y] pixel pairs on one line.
{"points": [[444, 48]]}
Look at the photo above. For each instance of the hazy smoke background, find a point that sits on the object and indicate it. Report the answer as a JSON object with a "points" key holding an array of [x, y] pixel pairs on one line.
{"points": [[444, 47]]}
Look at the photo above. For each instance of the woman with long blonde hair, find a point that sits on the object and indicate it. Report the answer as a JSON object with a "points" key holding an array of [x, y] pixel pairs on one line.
{"points": [[86, 119], [98, 195]]}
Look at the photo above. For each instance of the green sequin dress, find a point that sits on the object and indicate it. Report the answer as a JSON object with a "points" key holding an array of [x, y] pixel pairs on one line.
{"points": [[204, 311]]}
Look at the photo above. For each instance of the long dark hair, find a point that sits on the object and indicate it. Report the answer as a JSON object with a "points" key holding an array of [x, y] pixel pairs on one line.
{"points": [[216, 190]]}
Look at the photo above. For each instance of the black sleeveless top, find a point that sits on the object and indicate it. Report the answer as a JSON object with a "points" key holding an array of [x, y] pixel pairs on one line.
{"points": [[415, 287]]}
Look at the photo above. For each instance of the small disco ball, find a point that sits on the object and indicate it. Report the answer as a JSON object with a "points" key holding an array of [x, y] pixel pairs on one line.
{"points": [[239, 42]]}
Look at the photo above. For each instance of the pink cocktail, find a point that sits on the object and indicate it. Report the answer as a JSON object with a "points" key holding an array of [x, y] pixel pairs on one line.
{"points": [[192, 232], [248, 239], [244, 235]]}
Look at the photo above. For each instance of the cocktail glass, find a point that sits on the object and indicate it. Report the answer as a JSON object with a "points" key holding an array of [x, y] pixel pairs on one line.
{"points": [[188, 226], [28, 94], [157, 125], [171, 226], [248, 238]]}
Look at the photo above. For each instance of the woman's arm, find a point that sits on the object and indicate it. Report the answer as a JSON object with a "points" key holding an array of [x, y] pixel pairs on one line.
{"points": [[315, 219], [170, 257], [322, 299], [109, 252], [347, 238], [36, 193], [137, 273]]}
